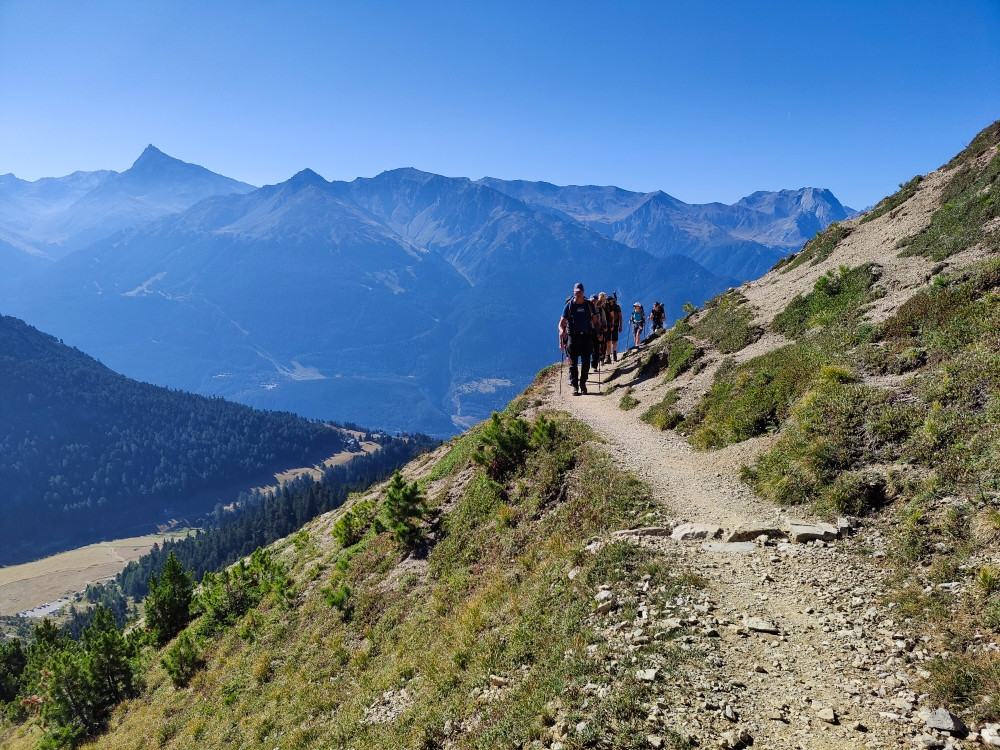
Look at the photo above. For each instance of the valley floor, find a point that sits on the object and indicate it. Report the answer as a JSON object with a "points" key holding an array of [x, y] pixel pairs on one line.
{"points": [[835, 646]]}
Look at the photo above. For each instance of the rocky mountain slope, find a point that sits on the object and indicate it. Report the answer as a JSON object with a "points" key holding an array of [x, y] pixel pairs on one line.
{"points": [[810, 559]]}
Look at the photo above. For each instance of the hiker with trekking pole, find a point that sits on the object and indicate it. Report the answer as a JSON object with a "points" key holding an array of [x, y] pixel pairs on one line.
{"points": [[578, 324]]}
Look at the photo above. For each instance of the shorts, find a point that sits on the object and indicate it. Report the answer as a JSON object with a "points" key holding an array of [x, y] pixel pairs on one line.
{"points": [[613, 334]]}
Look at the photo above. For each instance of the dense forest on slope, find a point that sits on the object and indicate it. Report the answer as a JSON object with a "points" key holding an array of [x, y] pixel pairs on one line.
{"points": [[264, 518], [86, 453]]}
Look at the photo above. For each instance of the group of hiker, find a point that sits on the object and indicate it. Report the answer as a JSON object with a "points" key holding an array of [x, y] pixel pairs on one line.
{"points": [[589, 329]]}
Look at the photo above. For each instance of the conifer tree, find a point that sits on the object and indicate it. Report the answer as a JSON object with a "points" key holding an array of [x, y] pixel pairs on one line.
{"points": [[168, 606], [403, 508]]}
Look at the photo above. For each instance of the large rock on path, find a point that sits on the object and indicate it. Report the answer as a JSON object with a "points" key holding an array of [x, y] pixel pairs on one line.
{"points": [[688, 531]]}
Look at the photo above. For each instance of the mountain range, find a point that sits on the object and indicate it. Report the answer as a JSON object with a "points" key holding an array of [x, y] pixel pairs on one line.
{"points": [[409, 300]]}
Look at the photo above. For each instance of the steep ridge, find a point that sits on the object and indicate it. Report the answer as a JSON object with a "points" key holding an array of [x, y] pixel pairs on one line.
{"points": [[551, 600]]}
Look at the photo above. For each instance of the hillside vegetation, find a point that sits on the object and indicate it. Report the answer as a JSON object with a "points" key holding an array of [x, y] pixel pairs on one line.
{"points": [[86, 454], [472, 621], [519, 588], [878, 378]]}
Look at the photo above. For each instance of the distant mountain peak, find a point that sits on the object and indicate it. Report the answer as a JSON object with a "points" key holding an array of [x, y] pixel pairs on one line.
{"points": [[152, 155], [307, 177]]}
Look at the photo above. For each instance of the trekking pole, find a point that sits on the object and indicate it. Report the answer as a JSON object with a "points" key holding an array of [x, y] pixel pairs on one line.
{"points": [[562, 358]]}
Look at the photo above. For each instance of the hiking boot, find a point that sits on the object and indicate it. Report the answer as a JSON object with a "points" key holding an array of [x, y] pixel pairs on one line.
{"points": [[615, 355], [583, 387], [576, 391]]}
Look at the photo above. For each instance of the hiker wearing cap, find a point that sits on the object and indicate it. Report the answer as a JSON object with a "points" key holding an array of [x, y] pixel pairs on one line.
{"points": [[579, 322], [638, 319]]}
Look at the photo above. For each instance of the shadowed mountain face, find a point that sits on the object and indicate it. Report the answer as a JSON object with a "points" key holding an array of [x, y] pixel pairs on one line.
{"points": [[409, 300], [87, 454]]}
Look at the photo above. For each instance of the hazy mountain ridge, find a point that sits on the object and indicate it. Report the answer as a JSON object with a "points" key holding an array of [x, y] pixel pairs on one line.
{"points": [[381, 289], [406, 288], [742, 240], [55, 216]]}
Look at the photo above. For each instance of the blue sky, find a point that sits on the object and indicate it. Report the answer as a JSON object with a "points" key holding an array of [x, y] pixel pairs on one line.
{"points": [[706, 100]]}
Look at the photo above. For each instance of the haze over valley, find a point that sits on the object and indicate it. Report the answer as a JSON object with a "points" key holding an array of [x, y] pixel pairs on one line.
{"points": [[409, 301]]}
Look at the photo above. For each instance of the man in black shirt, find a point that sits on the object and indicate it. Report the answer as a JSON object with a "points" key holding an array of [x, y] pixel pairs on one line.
{"points": [[579, 322]]}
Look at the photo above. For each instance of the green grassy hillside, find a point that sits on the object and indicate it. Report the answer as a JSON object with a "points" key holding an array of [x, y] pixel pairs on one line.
{"points": [[480, 629]]}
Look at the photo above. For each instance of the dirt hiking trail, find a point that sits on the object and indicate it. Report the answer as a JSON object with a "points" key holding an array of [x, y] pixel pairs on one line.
{"points": [[797, 649]]}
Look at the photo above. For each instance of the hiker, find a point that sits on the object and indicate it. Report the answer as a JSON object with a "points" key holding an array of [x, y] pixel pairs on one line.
{"points": [[638, 320], [615, 324], [597, 350], [656, 316], [578, 323]]}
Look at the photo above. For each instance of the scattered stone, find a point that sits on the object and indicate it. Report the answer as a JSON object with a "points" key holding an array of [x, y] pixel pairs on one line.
{"points": [[654, 740], [574, 573], [729, 713], [944, 720], [582, 728], [828, 715], [748, 532], [830, 532], [760, 625], [605, 601], [857, 726], [800, 531], [646, 675], [929, 742], [739, 547], [498, 681], [689, 531], [735, 739]]}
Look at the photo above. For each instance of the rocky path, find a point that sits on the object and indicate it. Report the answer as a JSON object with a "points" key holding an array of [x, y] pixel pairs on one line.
{"points": [[794, 645]]}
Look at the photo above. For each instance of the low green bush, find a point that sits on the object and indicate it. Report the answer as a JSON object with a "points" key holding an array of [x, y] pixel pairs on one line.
{"points": [[836, 298], [727, 322], [628, 401], [662, 415]]}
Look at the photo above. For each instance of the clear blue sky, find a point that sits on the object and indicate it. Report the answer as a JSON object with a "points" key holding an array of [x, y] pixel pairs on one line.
{"points": [[706, 100]]}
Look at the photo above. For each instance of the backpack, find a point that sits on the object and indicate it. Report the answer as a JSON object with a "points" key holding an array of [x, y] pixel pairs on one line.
{"points": [[638, 316]]}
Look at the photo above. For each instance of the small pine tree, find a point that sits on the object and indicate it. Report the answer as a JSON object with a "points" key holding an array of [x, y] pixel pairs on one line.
{"points": [[183, 660], [503, 445], [168, 606], [403, 508]]}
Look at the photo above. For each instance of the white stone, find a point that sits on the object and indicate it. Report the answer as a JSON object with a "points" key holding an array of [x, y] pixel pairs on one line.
{"points": [[688, 531], [990, 735], [760, 625]]}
